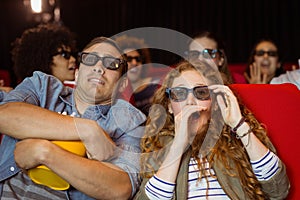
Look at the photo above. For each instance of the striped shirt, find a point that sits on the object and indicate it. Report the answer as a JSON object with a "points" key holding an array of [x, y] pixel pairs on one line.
{"points": [[156, 188], [21, 187]]}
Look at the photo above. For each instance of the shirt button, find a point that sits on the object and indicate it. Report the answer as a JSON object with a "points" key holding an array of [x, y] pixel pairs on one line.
{"points": [[12, 169]]}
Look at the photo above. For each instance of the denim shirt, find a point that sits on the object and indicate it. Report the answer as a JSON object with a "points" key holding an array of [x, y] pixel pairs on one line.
{"points": [[2, 94], [121, 121]]}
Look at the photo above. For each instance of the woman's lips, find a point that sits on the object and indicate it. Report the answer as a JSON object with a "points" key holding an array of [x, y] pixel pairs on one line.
{"points": [[265, 63], [72, 68], [133, 71]]}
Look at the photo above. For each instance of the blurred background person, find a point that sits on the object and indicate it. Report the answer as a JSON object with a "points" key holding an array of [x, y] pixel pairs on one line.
{"points": [[289, 77], [3, 87], [141, 86], [264, 63], [207, 45], [49, 48], [3, 90]]}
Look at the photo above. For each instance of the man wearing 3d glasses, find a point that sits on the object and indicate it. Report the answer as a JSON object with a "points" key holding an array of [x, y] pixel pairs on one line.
{"points": [[110, 131]]}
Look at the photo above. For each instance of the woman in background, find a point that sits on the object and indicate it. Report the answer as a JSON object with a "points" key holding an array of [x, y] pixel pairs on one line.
{"points": [[49, 48], [264, 63], [206, 45]]}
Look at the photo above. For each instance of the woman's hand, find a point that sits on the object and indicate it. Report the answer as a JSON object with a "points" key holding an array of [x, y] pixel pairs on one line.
{"points": [[255, 75], [183, 135], [228, 103]]}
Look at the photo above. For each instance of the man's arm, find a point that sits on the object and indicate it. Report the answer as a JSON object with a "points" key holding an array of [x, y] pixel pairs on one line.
{"points": [[97, 179], [22, 120]]}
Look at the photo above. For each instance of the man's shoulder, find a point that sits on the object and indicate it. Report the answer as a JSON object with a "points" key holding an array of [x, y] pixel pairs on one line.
{"points": [[126, 106], [39, 89], [126, 114], [39, 78], [43, 80], [42, 75]]}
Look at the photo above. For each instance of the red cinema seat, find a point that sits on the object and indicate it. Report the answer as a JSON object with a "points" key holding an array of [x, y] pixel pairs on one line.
{"points": [[4, 75], [278, 107]]}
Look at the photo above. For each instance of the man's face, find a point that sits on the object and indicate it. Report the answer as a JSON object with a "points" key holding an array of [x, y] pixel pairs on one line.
{"points": [[95, 84], [134, 65]]}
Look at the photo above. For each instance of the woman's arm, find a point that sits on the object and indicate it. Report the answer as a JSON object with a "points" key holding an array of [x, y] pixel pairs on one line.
{"points": [[268, 168], [232, 116], [165, 177]]}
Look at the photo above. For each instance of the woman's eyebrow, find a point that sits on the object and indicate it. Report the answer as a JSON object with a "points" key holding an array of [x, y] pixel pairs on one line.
{"points": [[105, 54], [183, 85]]}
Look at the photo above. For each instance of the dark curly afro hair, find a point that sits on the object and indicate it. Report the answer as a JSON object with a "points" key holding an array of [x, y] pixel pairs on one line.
{"points": [[34, 50]]}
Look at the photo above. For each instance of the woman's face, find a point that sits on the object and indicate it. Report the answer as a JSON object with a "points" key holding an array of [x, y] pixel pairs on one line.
{"points": [[199, 44], [64, 65], [266, 57], [190, 79], [134, 65]]}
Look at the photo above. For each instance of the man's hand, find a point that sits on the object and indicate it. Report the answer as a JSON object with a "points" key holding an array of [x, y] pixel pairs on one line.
{"points": [[97, 142], [29, 152]]}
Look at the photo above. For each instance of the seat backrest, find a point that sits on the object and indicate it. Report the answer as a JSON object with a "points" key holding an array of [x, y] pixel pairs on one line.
{"points": [[4, 75], [278, 107]]}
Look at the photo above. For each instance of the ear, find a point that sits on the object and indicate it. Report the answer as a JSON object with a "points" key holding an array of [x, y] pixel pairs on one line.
{"points": [[170, 110], [278, 65], [123, 84], [76, 74], [221, 61]]}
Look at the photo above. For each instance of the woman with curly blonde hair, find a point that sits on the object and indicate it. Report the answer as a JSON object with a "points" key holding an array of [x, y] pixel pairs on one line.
{"points": [[201, 143]]}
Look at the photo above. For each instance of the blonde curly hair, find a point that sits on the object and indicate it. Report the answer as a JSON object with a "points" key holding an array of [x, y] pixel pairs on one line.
{"points": [[227, 148]]}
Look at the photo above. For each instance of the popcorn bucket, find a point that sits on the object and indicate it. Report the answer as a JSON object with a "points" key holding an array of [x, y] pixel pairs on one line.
{"points": [[44, 176]]}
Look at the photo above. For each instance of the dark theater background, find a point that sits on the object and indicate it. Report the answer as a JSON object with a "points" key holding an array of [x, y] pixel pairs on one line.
{"points": [[240, 23]]}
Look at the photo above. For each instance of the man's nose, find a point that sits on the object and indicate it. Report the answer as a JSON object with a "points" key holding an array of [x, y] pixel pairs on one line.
{"points": [[72, 59], [134, 62], [98, 68]]}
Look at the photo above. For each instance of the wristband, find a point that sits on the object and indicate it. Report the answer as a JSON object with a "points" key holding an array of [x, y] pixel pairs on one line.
{"points": [[240, 137], [238, 125], [247, 133]]}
